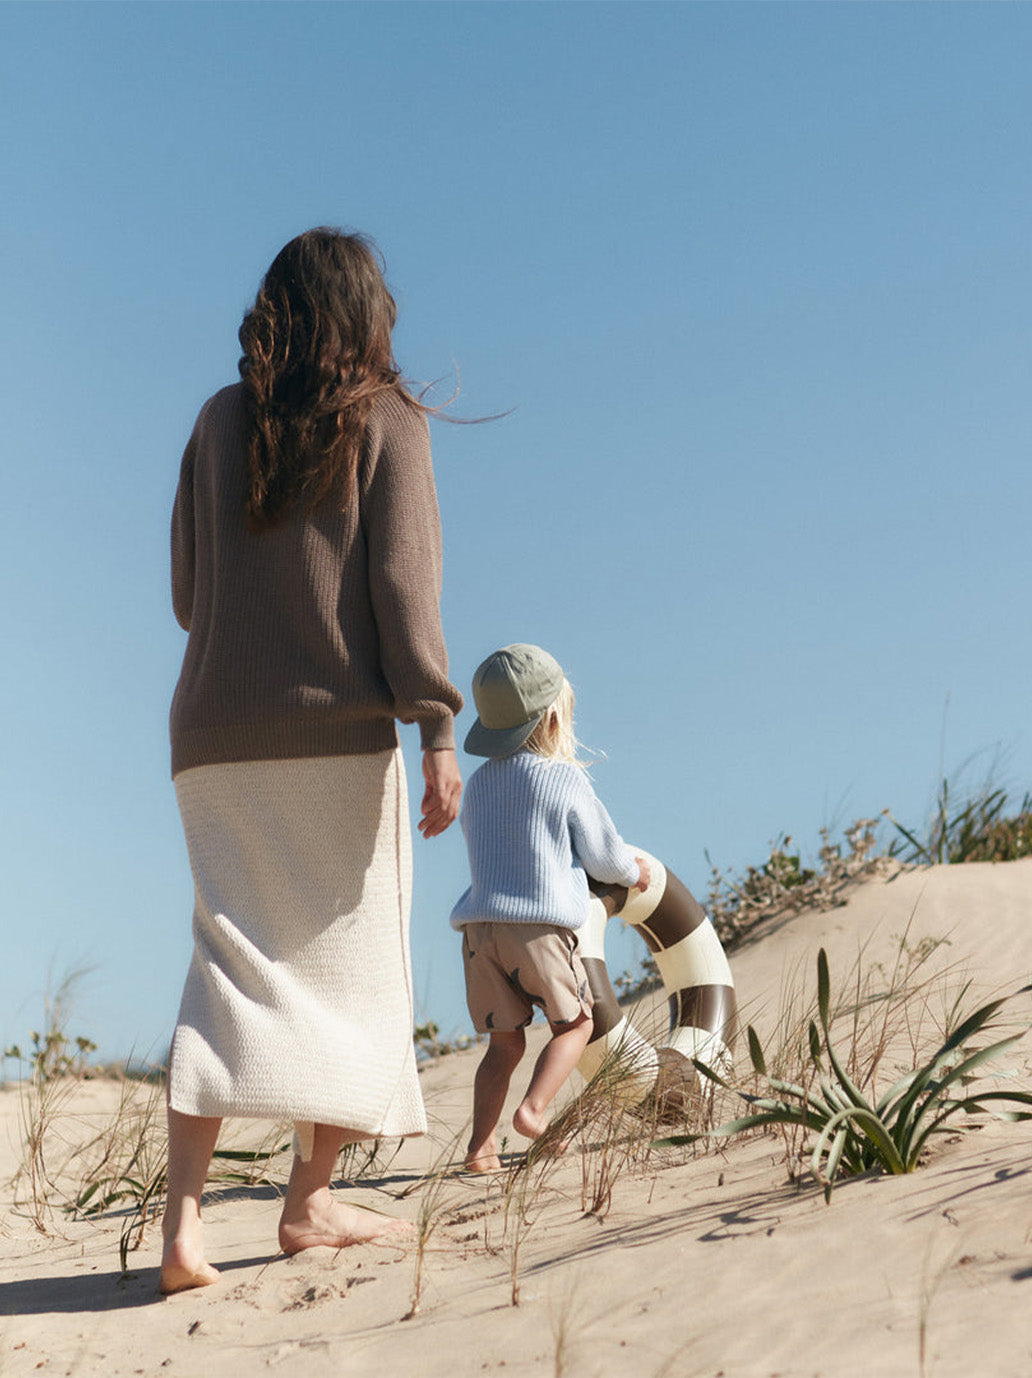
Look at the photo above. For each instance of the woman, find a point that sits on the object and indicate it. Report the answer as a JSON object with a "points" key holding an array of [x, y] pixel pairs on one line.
{"points": [[306, 567]]}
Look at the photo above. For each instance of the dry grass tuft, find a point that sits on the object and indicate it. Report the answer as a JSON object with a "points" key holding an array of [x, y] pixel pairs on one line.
{"points": [[55, 1066]]}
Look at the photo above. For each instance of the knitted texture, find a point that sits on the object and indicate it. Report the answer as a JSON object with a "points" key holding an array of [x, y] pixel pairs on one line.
{"points": [[308, 639], [298, 1001], [533, 828]]}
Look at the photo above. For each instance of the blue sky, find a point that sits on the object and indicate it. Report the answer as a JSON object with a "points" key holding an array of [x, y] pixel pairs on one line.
{"points": [[751, 280]]}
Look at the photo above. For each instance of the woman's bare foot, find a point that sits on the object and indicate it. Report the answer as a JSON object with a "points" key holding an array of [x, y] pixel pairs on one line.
{"points": [[321, 1222], [183, 1267]]}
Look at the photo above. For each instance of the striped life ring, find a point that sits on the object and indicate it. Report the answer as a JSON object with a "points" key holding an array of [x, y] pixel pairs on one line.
{"points": [[695, 975]]}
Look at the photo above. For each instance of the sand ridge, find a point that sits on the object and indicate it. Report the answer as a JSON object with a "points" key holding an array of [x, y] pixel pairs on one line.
{"points": [[707, 1264]]}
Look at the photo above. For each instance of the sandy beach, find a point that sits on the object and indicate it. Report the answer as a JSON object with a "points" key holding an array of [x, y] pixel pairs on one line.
{"points": [[714, 1259]]}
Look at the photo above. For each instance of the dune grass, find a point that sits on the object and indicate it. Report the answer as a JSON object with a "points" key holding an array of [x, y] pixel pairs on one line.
{"points": [[975, 827]]}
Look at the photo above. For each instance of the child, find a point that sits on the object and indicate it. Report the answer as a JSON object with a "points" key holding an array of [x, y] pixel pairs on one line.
{"points": [[534, 827]]}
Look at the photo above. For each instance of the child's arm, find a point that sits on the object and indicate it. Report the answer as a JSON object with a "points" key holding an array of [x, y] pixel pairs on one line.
{"points": [[596, 843]]}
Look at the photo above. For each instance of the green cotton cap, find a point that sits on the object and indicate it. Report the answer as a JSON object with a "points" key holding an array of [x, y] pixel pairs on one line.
{"points": [[511, 689]]}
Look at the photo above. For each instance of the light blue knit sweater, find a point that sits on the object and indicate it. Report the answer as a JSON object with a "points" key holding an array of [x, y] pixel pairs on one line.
{"points": [[533, 827]]}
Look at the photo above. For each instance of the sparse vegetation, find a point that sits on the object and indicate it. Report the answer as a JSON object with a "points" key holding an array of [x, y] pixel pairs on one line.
{"points": [[782, 885], [818, 1083], [55, 1065], [835, 1104], [975, 828], [965, 826], [430, 1045], [434, 1205]]}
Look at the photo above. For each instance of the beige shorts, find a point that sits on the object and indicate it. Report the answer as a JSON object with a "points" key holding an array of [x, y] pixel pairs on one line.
{"points": [[513, 967]]}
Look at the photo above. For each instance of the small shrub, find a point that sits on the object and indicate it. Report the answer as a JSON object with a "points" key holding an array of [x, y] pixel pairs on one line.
{"points": [[430, 1045], [55, 1065], [783, 885], [54, 1055]]}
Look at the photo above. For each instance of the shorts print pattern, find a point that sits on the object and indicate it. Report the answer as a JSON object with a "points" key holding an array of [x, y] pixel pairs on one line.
{"points": [[511, 969]]}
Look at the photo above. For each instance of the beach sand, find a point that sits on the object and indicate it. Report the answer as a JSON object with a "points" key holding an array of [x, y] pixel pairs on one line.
{"points": [[708, 1262]]}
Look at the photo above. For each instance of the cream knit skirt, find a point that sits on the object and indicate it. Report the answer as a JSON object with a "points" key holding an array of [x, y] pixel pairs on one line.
{"points": [[298, 1001]]}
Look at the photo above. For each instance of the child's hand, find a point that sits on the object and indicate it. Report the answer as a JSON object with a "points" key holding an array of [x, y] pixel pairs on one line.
{"points": [[442, 794], [644, 874]]}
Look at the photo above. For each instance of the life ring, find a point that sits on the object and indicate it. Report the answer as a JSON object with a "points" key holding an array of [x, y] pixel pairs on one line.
{"points": [[696, 977]]}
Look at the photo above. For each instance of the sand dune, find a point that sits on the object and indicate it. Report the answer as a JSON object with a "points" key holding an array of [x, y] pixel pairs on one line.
{"points": [[712, 1263]]}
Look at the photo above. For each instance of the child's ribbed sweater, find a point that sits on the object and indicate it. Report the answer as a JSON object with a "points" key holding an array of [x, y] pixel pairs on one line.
{"points": [[533, 827]]}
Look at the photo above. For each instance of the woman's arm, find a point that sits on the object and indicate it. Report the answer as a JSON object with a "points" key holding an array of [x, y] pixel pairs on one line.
{"points": [[183, 556], [403, 535]]}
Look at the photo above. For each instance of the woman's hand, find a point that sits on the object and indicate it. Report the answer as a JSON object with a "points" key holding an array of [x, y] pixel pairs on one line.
{"points": [[442, 794]]}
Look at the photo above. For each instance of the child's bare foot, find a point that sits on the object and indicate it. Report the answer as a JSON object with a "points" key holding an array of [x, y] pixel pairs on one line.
{"points": [[323, 1222], [531, 1124], [483, 1157], [183, 1267]]}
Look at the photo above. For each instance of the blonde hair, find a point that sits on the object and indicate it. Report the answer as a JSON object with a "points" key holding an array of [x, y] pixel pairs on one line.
{"points": [[554, 737]]}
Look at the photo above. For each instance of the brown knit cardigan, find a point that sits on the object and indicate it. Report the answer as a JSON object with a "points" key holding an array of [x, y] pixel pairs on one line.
{"points": [[311, 638]]}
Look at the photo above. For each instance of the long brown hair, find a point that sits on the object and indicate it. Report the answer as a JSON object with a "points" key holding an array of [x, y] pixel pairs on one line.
{"points": [[316, 353]]}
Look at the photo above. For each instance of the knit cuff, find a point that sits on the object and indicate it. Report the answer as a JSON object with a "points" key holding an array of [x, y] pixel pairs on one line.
{"points": [[632, 871], [437, 734]]}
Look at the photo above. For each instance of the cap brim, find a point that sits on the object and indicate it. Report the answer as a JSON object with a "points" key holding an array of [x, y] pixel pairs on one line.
{"points": [[498, 741]]}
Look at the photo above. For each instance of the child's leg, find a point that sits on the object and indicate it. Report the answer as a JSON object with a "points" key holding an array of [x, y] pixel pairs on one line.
{"points": [[558, 1058], [489, 1091]]}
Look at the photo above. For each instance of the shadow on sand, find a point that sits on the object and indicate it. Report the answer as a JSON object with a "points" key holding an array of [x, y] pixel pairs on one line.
{"points": [[109, 1291]]}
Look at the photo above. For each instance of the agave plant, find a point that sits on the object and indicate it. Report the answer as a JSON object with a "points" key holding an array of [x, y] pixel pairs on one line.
{"points": [[856, 1134]]}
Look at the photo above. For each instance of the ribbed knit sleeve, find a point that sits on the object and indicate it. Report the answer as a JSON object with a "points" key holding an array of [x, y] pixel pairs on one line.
{"points": [[596, 844], [403, 535], [183, 555], [535, 830]]}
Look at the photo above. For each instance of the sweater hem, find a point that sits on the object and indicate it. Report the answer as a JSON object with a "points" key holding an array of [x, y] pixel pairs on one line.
{"points": [[282, 741], [551, 920]]}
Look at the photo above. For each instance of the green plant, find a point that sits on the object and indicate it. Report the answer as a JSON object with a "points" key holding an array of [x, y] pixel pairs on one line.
{"points": [[783, 884], [123, 1166], [54, 1055], [973, 829], [429, 1043], [857, 1133]]}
